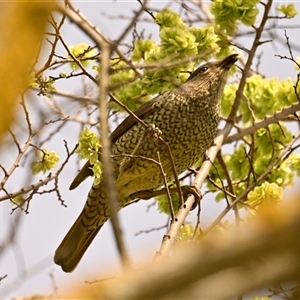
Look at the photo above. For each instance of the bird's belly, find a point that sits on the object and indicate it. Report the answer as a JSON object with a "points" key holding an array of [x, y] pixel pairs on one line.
{"points": [[145, 171]]}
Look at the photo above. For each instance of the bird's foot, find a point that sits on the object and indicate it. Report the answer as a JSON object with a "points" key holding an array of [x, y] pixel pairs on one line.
{"points": [[192, 189]]}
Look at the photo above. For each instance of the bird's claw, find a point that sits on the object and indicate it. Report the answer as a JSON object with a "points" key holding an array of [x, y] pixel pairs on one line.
{"points": [[192, 189]]}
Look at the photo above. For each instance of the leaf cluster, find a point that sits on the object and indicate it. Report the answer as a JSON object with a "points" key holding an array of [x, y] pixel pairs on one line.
{"points": [[161, 68], [89, 148], [45, 161], [288, 10], [230, 13], [253, 154]]}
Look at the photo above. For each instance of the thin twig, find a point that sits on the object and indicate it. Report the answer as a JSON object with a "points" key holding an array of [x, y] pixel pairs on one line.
{"points": [[152, 229], [230, 187], [174, 171], [166, 187]]}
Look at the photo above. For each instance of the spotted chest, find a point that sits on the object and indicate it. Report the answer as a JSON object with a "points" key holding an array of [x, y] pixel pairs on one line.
{"points": [[188, 130]]}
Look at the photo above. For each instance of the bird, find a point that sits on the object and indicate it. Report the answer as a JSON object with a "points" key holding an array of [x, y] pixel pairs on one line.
{"points": [[187, 118]]}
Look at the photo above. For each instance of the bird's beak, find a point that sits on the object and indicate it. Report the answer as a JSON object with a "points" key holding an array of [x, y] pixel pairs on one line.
{"points": [[228, 61]]}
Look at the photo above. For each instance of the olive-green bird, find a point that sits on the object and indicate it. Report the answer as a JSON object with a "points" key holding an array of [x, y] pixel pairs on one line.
{"points": [[187, 117]]}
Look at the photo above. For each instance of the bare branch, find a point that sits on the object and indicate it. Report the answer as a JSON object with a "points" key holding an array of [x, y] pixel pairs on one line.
{"points": [[283, 114], [109, 180]]}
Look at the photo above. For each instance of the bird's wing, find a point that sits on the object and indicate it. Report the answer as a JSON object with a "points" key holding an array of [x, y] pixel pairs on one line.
{"points": [[83, 174], [142, 112]]}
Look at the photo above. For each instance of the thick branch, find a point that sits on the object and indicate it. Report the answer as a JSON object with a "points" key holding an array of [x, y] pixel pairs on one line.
{"points": [[109, 180]]}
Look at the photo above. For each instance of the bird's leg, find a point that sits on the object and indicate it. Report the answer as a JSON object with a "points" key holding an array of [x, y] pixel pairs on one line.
{"points": [[148, 194], [151, 132], [192, 189], [186, 190]]}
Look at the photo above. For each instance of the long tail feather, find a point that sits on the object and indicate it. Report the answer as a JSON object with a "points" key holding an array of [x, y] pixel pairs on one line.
{"points": [[74, 245]]}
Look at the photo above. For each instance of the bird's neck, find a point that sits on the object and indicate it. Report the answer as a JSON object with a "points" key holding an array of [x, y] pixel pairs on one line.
{"points": [[200, 99]]}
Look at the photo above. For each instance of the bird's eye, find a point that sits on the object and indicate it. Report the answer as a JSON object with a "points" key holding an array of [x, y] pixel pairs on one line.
{"points": [[203, 69], [200, 70]]}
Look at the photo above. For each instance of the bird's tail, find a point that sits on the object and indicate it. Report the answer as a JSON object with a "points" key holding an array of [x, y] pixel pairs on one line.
{"points": [[83, 231], [73, 246]]}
